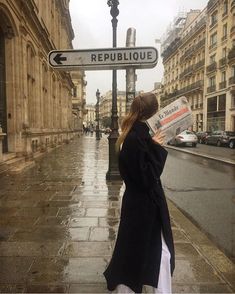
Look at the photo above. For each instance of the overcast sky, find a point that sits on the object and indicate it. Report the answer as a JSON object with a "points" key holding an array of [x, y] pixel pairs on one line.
{"points": [[91, 21]]}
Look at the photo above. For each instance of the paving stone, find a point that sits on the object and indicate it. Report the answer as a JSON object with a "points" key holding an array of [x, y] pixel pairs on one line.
{"points": [[14, 269], [83, 222], [47, 288], [31, 248], [108, 222], [201, 288], [79, 234], [88, 249], [102, 234], [194, 271], [88, 288], [86, 270], [110, 212]]}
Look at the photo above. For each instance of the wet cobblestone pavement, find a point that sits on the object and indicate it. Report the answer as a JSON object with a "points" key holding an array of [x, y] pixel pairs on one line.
{"points": [[58, 226]]}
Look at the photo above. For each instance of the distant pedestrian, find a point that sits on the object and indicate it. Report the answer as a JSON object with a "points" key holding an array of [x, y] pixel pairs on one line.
{"points": [[144, 250]]}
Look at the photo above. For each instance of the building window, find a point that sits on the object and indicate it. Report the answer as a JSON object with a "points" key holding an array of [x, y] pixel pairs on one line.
{"points": [[214, 18], [225, 7], [212, 81], [212, 104], [222, 102], [213, 40], [233, 71], [212, 58], [224, 52], [223, 76], [233, 101], [225, 31]]}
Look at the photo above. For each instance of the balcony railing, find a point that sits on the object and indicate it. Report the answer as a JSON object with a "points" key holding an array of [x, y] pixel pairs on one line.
{"points": [[232, 5], [171, 49], [231, 54], [222, 85], [200, 24], [211, 3], [211, 67], [212, 46], [200, 44], [187, 71], [201, 63], [232, 30], [224, 38], [231, 81], [192, 87], [213, 24], [211, 89], [223, 61]]}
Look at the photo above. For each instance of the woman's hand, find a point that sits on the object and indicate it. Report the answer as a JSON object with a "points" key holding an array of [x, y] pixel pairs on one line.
{"points": [[159, 137]]}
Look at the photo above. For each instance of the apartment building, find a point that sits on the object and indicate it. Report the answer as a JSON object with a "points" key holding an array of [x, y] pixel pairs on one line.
{"points": [[184, 64], [106, 106], [219, 110], [199, 63]]}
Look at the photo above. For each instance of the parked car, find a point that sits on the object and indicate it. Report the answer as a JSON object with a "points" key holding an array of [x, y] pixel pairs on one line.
{"points": [[184, 138], [220, 138], [202, 136]]}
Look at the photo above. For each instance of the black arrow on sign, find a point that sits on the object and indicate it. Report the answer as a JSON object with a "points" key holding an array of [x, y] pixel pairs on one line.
{"points": [[58, 58]]}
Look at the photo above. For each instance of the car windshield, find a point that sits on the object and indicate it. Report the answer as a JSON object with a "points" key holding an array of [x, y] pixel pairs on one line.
{"points": [[188, 133]]}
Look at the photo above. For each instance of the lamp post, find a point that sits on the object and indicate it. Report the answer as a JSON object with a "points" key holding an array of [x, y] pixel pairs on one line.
{"points": [[113, 172], [98, 115]]}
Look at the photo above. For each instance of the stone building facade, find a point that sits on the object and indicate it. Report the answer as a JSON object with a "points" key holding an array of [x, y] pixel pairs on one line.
{"points": [[90, 117], [184, 64], [79, 100], [35, 100], [219, 109], [106, 106], [199, 63]]}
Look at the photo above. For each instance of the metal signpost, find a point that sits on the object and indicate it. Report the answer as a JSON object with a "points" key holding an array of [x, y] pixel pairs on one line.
{"points": [[103, 59]]}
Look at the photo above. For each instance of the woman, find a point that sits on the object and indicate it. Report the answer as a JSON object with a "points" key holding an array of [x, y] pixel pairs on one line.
{"points": [[144, 249]]}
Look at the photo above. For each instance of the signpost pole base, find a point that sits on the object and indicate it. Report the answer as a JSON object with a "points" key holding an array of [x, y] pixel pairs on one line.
{"points": [[113, 171]]}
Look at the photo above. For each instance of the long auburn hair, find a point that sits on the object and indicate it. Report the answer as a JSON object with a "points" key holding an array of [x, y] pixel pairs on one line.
{"points": [[143, 107]]}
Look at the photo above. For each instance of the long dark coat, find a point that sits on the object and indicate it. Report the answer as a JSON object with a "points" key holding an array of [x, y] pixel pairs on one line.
{"points": [[144, 213]]}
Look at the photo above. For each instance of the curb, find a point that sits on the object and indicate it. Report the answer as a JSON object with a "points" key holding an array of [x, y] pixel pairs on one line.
{"points": [[221, 159]]}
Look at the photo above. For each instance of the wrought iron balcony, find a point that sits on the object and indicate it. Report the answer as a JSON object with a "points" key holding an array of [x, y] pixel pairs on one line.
{"points": [[231, 54], [211, 3], [222, 85], [223, 61], [211, 89], [232, 5], [200, 64], [212, 67], [231, 81]]}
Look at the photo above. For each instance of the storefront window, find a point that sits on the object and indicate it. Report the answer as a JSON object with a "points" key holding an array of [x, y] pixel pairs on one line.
{"points": [[212, 104]]}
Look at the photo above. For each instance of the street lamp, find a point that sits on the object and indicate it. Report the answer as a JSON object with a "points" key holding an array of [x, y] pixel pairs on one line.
{"points": [[98, 115], [113, 172]]}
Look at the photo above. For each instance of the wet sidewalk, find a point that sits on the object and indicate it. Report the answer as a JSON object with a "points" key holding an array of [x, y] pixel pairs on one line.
{"points": [[58, 226]]}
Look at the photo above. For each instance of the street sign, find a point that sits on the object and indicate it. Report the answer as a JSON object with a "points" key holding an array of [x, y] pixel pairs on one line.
{"points": [[103, 59]]}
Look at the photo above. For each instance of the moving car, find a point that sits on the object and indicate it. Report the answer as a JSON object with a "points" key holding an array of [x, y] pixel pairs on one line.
{"points": [[184, 138], [202, 136], [220, 138]]}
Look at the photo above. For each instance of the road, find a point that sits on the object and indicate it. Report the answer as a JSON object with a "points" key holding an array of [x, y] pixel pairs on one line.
{"points": [[204, 190]]}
